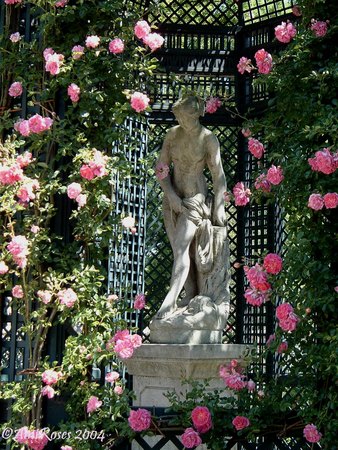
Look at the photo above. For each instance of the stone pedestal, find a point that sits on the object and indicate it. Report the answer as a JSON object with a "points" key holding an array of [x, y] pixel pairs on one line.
{"points": [[160, 368]]}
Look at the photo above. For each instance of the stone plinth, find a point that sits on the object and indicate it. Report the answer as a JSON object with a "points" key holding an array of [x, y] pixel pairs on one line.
{"points": [[159, 368]]}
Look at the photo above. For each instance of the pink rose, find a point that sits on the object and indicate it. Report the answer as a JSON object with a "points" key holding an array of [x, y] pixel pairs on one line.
{"points": [[275, 175], [244, 65], [246, 132], [139, 420], [50, 377], [111, 377], [319, 27], [256, 148], [124, 349], [316, 202], [17, 291], [48, 52], [311, 433], [255, 298], [15, 89], [92, 41], [331, 200], [273, 263], [38, 124], [282, 348], [251, 385], [121, 335], [93, 404], [263, 61], [136, 340], [48, 391], [66, 447], [15, 37], [139, 102], [285, 32], [283, 311], [3, 268], [190, 438], [290, 323], [201, 419], [323, 161], [212, 105], [262, 183], [142, 29], [73, 190], [26, 191], [81, 200], [22, 126], [140, 301], [86, 172], [77, 51], [67, 297], [241, 194], [10, 174], [241, 422], [235, 381], [12, 2], [45, 296], [34, 439], [61, 3], [53, 63], [74, 92], [18, 248], [257, 277], [118, 390], [116, 46], [154, 41], [24, 159]]}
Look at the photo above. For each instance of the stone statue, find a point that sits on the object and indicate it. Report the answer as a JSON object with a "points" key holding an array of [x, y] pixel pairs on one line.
{"points": [[196, 227]]}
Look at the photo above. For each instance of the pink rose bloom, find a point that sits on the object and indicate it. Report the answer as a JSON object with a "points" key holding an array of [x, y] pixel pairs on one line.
{"points": [[331, 200], [257, 277], [48, 391], [22, 126], [154, 41], [241, 422], [53, 63], [73, 190], [162, 170], [121, 335], [128, 222], [275, 175], [66, 447], [118, 390], [12, 2], [251, 385], [22, 435], [244, 65], [140, 301], [93, 404], [10, 174], [212, 105], [316, 202], [15, 37], [290, 323], [77, 51], [37, 439], [139, 102], [273, 263], [112, 298], [142, 29], [17, 291], [45, 296], [26, 191], [285, 32], [235, 381], [98, 164], [282, 348], [255, 298], [262, 183], [263, 61], [241, 194], [323, 161], [61, 3], [319, 27], [86, 172], [111, 377], [116, 46], [50, 377], [67, 297], [24, 160], [74, 92], [139, 420], [283, 311], [136, 340], [311, 433], [15, 89], [92, 41], [124, 349], [246, 132], [201, 419], [38, 124], [190, 438], [48, 52], [81, 200], [18, 247], [256, 148], [3, 268]]}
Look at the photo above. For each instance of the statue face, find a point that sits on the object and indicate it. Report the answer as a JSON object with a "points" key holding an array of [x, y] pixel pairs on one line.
{"points": [[187, 112], [186, 120]]}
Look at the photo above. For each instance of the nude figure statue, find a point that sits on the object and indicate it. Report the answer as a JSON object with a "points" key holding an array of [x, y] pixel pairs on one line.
{"points": [[189, 216]]}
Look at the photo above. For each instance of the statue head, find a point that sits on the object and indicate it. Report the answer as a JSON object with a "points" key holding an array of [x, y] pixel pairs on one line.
{"points": [[188, 109]]}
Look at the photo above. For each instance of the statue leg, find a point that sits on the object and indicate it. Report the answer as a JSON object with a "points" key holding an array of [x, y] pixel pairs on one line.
{"points": [[184, 234]]}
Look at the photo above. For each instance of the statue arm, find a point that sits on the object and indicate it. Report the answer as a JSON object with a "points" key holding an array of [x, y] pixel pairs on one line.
{"points": [[218, 179], [165, 158]]}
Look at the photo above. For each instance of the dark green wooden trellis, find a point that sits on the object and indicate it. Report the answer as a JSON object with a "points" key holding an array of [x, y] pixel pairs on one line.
{"points": [[203, 43]]}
